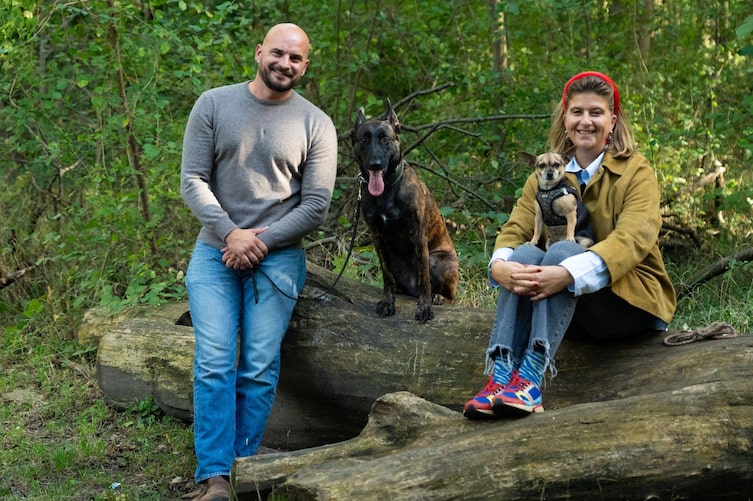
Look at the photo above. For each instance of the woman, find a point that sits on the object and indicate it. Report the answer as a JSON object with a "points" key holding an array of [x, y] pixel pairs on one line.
{"points": [[617, 288]]}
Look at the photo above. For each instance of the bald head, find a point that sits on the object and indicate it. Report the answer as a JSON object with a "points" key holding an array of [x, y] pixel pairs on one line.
{"points": [[282, 59], [287, 31]]}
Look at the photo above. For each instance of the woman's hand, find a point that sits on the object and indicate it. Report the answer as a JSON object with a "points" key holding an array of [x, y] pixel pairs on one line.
{"points": [[537, 282]]}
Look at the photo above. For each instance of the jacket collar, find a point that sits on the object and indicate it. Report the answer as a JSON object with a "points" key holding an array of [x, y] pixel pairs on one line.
{"points": [[614, 165]]}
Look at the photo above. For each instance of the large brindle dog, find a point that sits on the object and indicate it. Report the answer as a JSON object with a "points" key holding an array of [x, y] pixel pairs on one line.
{"points": [[415, 251]]}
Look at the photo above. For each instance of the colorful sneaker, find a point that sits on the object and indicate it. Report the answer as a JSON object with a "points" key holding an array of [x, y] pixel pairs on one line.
{"points": [[480, 406], [520, 397]]}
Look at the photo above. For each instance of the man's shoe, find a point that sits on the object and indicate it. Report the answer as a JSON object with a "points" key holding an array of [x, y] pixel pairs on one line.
{"points": [[480, 406], [519, 398], [216, 489]]}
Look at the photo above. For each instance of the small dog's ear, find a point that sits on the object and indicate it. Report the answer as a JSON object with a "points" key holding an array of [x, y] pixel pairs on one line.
{"points": [[528, 158]]}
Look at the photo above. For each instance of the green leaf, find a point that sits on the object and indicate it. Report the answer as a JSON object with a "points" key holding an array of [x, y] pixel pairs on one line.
{"points": [[745, 29]]}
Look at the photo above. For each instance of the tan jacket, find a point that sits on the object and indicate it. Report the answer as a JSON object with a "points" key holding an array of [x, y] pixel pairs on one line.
{"points": [[623, 204]]}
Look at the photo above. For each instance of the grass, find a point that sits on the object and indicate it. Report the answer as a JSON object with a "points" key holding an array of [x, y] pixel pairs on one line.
{"points": [[61, 441], [725, 298]]}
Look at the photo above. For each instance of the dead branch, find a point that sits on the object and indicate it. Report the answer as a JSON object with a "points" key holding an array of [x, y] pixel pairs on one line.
{"points": [[708, 179], [14, 276], [424, 92], [683, 231], [713, 270], [460, 185]]}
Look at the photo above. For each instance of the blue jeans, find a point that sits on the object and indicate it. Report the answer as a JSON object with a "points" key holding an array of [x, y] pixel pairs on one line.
{"points": [[239, 320], [520, 323]]}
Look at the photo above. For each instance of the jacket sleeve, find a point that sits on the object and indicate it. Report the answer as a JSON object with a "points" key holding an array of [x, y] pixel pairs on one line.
{"points": [[519, 227], [629, 226]]}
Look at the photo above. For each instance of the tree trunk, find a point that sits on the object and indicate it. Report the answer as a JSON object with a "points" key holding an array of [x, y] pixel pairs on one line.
{"points": [[630, 418]]}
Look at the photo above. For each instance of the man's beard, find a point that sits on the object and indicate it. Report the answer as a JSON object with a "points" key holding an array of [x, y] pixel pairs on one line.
{"points": [[266, 76]]}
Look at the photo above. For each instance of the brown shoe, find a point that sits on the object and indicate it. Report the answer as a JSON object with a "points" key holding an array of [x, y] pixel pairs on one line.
{"points": [[215, 489]]}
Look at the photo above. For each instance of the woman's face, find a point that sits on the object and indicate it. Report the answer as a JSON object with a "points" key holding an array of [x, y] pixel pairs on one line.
{"points": [[588, 122]]}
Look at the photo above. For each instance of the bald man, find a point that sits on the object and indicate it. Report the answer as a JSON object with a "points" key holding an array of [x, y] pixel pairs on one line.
{"points": [[258, 170]]}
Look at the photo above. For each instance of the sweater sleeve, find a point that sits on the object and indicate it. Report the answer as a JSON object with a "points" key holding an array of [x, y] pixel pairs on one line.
{"points": [[196, 170], [318, 174]]}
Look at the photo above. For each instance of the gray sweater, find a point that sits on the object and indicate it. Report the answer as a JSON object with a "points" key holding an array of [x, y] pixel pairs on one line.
{"points": [[249, 163]]}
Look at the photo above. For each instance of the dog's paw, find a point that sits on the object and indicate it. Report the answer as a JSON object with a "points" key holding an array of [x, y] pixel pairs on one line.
{"points": [[424, 312], [439, 299], [584, 241], [385, 308]]}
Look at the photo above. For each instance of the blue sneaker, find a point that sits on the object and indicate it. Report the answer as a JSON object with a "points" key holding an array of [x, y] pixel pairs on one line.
{"points": [[520, 397], [480, 406]]}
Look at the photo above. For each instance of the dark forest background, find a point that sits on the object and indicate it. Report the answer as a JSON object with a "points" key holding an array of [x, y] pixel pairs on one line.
{"points": [[94, 96]]}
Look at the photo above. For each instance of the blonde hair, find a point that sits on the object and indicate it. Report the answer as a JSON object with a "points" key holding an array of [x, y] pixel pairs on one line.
{"points": [[622, 144]]}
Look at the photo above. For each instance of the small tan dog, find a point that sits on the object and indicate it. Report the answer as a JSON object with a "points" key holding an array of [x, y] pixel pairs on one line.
{"points": [[558, 205]]}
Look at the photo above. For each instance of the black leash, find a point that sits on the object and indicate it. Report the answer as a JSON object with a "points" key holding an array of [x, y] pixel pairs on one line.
{"points": [[356, 217]]}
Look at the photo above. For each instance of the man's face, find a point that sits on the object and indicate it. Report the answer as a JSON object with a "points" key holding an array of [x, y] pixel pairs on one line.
{"points": [[282, 59]]}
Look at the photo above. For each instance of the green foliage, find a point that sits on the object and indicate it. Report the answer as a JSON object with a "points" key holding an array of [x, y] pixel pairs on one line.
{"points": [[725, 299], [145, 412], [79, 78], [94, 96]]}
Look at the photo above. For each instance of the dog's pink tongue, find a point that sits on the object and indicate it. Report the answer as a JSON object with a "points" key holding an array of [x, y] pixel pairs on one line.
{"points": [[376, 182]]}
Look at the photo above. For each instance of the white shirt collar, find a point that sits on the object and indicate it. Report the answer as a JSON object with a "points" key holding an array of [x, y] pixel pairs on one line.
{"points": [[574, 166]]}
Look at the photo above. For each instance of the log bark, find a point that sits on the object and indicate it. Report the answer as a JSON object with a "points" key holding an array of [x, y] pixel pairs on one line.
{"points": [[141, 358], [337, 358], [661, 417], [98, 321], [690, 443]]}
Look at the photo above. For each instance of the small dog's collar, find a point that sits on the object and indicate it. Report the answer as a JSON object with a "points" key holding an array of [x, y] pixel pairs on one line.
{"points": [[561, 186]]}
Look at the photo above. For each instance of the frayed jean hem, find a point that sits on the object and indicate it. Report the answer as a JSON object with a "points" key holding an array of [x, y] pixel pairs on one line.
{"points": [[498, 350]]}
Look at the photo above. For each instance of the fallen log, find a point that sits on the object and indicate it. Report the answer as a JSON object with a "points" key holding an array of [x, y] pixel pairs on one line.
{"points": [[13, 276], [690, 443], [339, 357], [100, 320], [712, 270]]}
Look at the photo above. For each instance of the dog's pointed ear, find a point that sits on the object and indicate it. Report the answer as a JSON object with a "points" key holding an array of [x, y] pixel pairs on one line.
{"points": [[528, 158], [391, 116], [360, 119]]}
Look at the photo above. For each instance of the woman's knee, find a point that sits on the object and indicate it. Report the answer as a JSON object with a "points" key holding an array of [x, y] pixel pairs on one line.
{"points": [[527, 254], [559, 251]]}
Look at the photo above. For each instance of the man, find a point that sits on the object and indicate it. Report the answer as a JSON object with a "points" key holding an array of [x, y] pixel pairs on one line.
{"points": [[258, 170]]}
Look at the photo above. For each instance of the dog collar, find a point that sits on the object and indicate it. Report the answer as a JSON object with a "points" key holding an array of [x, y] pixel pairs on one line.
{"points": [[562, 186], [397, 175]]}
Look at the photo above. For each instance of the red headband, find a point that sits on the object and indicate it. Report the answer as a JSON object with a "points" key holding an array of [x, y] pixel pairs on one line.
{"points": [[592, 74]]}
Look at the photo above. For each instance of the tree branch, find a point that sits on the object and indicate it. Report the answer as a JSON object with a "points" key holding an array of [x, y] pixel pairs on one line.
{"points": [[713, 270], [14, 276], [424, 92]]}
